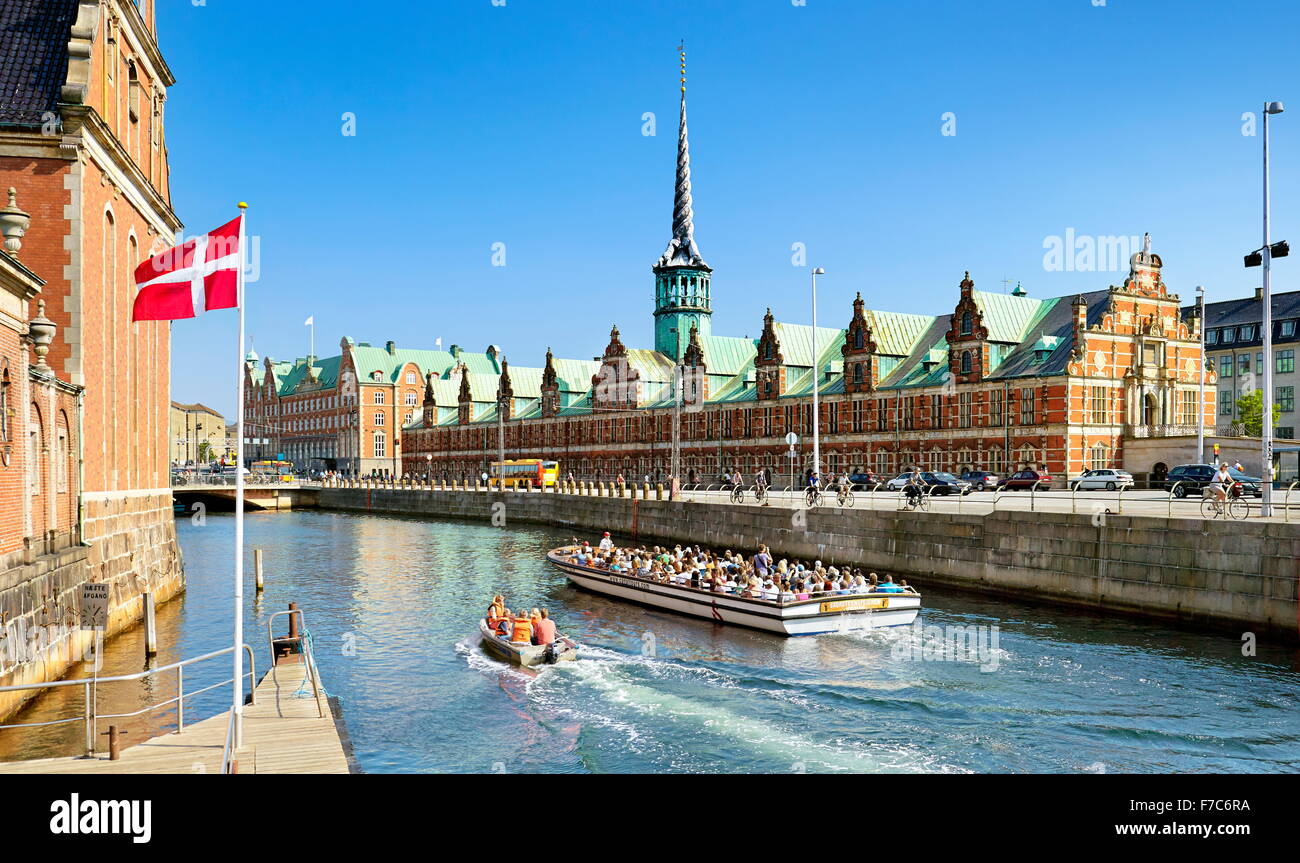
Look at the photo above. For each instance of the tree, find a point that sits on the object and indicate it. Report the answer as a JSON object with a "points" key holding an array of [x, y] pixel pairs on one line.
{"points": [[205, 451], [1250, 408]]}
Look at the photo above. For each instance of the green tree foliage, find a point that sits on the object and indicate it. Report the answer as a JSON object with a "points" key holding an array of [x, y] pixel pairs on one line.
{"points": [[1250, 408]]}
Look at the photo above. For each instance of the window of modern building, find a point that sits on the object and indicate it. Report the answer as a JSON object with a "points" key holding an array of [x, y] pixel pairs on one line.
{"points": [[1243, 363], [1287, 432], [1229, 336], [1286, 361], [1225, 403], [1211, 337], [1286, 399], [1225, 367], [1287, 329], [1246, 333]]}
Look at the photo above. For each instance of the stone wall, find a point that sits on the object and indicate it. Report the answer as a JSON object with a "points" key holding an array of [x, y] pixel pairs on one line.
{"points": [[130, 543], [1241, 575]]}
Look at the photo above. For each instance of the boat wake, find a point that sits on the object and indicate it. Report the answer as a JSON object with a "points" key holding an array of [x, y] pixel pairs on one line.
{"points": [[672, 715]]}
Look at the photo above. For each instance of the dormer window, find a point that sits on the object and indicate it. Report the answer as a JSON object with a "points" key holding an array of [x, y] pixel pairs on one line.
{"points": [[859, 341], [1229, 336], [768, 353], [967, 324], [857, 373], [965, 362]]}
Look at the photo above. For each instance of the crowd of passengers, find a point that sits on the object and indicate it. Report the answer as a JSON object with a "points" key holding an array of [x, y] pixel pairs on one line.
{"points": [[757, 576]]}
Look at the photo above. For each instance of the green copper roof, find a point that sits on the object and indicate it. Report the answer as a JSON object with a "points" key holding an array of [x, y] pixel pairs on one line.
{"points": [[894, 333], [1008, 318], [727, 355]]}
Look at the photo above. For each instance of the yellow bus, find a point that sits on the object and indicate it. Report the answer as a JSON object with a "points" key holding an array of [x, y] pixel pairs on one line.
{"points": [[273, 471], [526, 472]]}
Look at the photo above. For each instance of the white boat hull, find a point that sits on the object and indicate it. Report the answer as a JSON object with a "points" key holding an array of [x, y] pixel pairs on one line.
{"points": [[850, 613]]}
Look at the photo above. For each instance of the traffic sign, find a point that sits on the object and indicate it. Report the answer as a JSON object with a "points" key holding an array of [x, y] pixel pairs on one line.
{"points": [[792, 439]]}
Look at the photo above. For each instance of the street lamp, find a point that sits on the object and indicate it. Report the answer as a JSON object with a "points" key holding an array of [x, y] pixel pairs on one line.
{"points": [[1200, 400], [816, 380], [1266, 420]]}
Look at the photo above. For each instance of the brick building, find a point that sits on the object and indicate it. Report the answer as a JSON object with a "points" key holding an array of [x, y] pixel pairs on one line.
{"points": [[39, 418], [82, 92], [999, 382]]}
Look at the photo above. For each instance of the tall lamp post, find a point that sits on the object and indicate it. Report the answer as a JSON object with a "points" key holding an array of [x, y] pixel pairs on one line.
{"points": [[816, 381], [1200, 401], [1266, 505]]}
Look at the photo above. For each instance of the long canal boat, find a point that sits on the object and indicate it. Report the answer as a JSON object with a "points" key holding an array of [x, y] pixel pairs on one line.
{"points": [[837, 613]]}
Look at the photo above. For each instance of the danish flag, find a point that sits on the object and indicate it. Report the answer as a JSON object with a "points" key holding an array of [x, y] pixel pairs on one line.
{"points": [[185, 281]]}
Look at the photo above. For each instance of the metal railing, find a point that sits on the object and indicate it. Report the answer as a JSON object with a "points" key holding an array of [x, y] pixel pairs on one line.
{"points": [[91, 716]]}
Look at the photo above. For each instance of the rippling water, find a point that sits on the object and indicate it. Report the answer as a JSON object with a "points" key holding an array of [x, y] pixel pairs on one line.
{"points": [[393, 604]]}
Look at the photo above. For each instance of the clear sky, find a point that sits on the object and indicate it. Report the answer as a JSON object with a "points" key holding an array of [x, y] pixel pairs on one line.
{"points": [[820, 122]]}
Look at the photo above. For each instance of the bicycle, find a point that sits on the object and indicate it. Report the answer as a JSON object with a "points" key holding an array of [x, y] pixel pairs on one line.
{"points": [[760, 494], [920, 500], [1234, 507], [813, 497], [845, 497], [737, 495]]}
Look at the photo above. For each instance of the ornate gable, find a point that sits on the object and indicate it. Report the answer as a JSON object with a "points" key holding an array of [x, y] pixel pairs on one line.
{"points": [[464, 399], [617, 384], [968, 346], [861, 373], [769, 365], [505, 392], [550, 387]]}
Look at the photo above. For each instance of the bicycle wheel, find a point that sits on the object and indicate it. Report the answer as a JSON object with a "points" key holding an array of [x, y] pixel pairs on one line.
{"points": [[1238, 508], [847, 500], [924, 500], [737, 495], [1209, 508], [760, 495]]}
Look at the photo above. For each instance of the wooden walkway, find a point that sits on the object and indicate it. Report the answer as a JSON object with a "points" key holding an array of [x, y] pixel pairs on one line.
{"points": [[283, 733]]}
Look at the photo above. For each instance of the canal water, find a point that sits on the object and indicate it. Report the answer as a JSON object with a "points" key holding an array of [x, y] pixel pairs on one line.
{"points": [[392, 606]]}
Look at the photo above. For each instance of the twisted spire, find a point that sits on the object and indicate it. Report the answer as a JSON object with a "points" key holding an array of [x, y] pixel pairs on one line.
{"points": [[682, 250]]}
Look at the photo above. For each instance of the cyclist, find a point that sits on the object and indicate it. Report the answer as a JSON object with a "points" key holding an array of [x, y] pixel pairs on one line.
{"points": [[814, 486], [1221, 482], [760, 480], [914, 487]]}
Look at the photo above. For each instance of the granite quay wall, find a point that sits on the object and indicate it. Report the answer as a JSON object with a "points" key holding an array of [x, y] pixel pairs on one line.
{"points": [[1240, 575], [130, 543]]}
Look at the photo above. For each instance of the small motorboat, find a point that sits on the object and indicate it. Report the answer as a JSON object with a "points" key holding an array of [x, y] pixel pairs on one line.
{"points": [[560, 650]]}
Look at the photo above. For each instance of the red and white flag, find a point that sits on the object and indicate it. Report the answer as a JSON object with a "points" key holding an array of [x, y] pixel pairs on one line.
{"points": [[185, 281]]}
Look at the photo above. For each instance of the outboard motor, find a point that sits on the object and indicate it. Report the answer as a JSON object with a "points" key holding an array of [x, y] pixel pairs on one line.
{"points": [[550, 655]]}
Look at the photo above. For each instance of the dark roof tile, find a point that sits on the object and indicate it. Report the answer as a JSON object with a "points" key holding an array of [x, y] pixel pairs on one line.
{"points": [[34, 38]]}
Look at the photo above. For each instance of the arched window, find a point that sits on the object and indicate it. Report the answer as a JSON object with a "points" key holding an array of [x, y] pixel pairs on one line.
{"points": [[965, 362], [859, 340], [967, 324], [4, 403], [857, 373], [35, 435]]}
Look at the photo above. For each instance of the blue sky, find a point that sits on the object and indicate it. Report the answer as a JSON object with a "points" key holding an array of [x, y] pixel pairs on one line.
{"points": [[819, 124]]}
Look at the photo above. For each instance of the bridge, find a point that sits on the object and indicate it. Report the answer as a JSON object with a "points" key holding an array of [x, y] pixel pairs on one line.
{"points": [[218, 493]]}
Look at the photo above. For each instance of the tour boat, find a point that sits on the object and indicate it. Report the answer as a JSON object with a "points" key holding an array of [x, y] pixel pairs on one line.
{"points": [[562, 650], [839, 613]]}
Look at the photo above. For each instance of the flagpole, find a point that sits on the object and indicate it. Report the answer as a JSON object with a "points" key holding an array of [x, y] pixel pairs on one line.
{"points": [[237, 708]]}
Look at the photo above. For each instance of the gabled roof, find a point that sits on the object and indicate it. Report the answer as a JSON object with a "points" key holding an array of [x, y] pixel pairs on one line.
{"points": [[896, 334], [1248, 310], [1007, 317], [34, 36]]}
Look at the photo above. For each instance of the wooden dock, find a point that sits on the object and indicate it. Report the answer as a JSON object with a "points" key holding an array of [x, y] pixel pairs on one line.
{"points": [[283, 733]]}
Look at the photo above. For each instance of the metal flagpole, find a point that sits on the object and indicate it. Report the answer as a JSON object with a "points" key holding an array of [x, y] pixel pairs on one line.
{"points": [[237, 707]]}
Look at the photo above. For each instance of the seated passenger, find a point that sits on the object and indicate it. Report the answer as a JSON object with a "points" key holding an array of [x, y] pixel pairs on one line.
{"points": [[496, 610], [505, 625], [522, 631], [888, 586], [544, 629]]}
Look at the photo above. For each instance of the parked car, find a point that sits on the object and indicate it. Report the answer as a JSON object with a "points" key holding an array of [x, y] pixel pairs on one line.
{"points": [[943, 483], [1024, 480], [1192, 479], [863, 481], [980, 480], [1107, 478]]}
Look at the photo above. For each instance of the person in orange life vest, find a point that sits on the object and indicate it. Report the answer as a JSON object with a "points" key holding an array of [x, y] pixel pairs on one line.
{"points": [[544, 629], [496, 611], [522, 632], [505, 625]]}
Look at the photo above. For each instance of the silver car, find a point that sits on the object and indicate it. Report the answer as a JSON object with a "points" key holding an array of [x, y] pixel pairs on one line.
{"points": [[1107, 478]]}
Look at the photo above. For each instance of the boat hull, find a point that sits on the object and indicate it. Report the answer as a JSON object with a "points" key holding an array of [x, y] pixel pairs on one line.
{"points": [[526, 655], [846, 613]]}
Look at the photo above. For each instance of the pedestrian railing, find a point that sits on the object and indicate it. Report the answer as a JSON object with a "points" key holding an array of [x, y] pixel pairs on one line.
{"points": [[90, 687]]}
